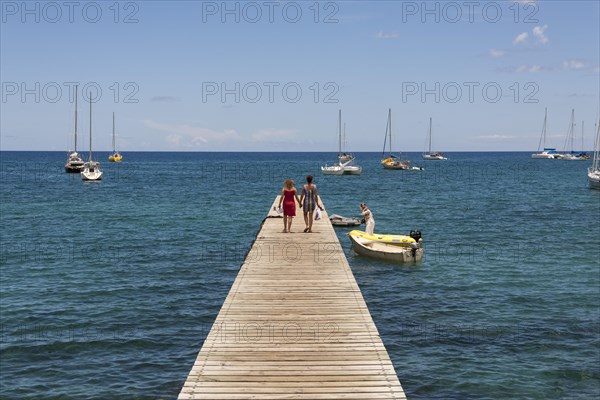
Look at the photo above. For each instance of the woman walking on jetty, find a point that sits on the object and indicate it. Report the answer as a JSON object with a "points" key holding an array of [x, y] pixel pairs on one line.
{"points": [[288, 195], [309, 200]]}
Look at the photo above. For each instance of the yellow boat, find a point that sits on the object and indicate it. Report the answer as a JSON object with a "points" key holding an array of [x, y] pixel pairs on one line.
{"points": [[392, 161], [115, 156], [398, 240], [397, 248]]}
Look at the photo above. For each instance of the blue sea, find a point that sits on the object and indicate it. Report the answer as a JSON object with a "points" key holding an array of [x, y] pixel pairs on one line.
{"points": [[109, 288]]}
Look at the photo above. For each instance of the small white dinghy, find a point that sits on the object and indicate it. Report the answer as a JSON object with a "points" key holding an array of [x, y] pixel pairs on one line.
{"points": [[338, 220], [386, 251]]}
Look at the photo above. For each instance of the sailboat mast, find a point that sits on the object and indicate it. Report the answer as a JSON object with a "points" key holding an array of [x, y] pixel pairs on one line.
{"points": [[596, 159], [582, 136], [429, 135], [572, 128], [544, 129], [90, 126], [340, 132], [75, 119], [390, 124], [387, 125], [542, 141], [114, 149], [344, 141]]}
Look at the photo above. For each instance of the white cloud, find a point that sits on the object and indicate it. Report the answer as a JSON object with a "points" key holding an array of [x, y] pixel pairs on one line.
{"points": [[535, 68], [387, 35], [574, 64], [531, 68], [497, 53], [190, 136], [522, 68], [521, 38], [495, 137], [540, 33], [264, 135]]}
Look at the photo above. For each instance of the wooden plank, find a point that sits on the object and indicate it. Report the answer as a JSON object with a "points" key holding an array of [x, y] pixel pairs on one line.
{"points": [[293, 326]]}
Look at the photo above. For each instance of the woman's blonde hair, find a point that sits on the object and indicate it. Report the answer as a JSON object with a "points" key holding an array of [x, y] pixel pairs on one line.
{"points": [[289, 183]]}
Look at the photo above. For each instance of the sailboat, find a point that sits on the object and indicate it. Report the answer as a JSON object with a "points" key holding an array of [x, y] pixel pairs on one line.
{"points": [[343, 156], [547, 152], [392, 161], [115, 156], [347, 161], [435, 155], [594, 170], [74, 162], [91, 169], [572, 155], [341, 168]]}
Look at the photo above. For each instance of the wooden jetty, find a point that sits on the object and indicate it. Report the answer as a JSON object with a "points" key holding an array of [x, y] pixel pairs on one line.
{"points": [[293, 326]]}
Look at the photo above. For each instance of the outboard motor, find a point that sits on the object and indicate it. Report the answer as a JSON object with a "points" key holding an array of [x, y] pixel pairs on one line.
{"points": [[415, 235], [415, 246]]}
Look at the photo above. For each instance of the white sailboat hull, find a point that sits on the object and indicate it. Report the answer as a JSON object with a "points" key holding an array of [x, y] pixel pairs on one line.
{"points": [[91, 176], [352, 170], [433, 158], [342, 169], [594, 178], [545, 155], [571, 157], [91, 173], [332, 170]]}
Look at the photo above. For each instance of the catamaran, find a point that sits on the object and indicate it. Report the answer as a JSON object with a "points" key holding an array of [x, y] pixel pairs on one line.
{"points": [[547, 152], [91, 169], [115, 156], [74, 162], [341, 168], [436, 155]]}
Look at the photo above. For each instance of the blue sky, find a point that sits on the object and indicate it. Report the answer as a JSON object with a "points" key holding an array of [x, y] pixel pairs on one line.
{"points": [[484, 71]]}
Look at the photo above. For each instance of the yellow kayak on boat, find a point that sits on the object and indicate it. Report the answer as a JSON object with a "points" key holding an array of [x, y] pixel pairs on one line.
{"points": [[398, 240]]}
